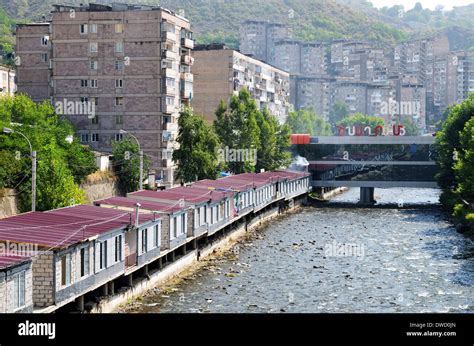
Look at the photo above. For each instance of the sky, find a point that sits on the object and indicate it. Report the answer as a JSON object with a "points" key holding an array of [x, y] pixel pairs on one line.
{"points": [[431, 4]]}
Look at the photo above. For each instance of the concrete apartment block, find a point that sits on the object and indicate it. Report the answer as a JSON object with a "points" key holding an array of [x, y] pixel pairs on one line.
{"points": [[32, 58], [133, 63], [257, 38], [312, 92], [353, 94], [7, 81], [221, 72], [313, 59], [288, 56]]}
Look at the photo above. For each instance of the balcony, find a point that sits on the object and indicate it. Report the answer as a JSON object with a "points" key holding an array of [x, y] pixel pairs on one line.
{"points": [[169, 54], [167, 136], [167, 163], [170, 126], [168, 109], [167, 35], [187, 76], [186, 93], [167, 90], [187, 60], [187, 43], [168, 72]]}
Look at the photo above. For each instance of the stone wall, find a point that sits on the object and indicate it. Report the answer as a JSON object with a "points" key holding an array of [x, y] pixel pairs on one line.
{"points": [[8, 203], [100, 190], [43, 278]]}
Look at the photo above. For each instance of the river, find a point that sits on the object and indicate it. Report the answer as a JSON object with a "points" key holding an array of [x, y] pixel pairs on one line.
{"points": [[334, 258]]}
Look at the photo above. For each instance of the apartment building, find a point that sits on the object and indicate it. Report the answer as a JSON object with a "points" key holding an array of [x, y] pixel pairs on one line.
{"points": [[7, 81], [258, 38], [33, 60], [312, 92], [220, 73], [128, 65], [353, 94], [300, 58]]}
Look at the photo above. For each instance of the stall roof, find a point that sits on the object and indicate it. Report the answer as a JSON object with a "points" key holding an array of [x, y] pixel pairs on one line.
{"points": [[130, 203], [63, 227], [12, 261], [189, 194]]}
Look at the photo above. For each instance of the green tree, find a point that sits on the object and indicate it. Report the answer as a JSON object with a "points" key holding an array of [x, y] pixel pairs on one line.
{"points": [[455, 159], [363, 120], [338, 112], [306, 121], [197, 154], [237, 128], [275, 139], [126, 163], [59, 161]]}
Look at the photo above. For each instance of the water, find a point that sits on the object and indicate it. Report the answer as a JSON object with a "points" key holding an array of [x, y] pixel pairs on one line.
{"points": [[393, 260]]}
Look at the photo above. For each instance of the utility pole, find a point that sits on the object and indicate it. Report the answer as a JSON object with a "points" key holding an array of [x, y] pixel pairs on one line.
{"points": [[140, 185], [33, 180]]}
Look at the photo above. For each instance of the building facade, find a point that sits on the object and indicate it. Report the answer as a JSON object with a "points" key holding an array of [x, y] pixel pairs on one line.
{"points": [[221, 72], [122, 67], [7, 81]]}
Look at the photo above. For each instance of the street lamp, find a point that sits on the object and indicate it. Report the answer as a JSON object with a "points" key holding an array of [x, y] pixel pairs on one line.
{"points": [[140, 185], [33, 166]]}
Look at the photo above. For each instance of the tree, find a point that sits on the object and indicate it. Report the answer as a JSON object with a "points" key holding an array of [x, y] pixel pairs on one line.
{"points": [[455, 159], [126, 164], [275, 139], [361, 120], [59, 162], [308, 122], [197, 154], [237, 128], [338, 112]]}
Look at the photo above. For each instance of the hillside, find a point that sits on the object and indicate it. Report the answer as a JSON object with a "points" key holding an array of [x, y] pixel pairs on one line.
{"points": [[321, 20], [6, 38]]}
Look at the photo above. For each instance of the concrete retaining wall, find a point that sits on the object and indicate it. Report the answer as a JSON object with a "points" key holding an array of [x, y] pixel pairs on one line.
{"points": [[172, 270]]}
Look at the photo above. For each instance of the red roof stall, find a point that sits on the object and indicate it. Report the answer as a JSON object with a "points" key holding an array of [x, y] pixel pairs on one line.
{"points": [[96, 241]]}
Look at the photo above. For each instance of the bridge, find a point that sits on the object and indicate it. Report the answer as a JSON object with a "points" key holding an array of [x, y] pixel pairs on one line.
{"points": [[369, 162]]}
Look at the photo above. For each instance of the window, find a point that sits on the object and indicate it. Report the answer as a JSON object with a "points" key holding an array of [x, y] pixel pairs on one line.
{"points": [[84, 261], [93, 47], [66, 270], [175, 227], [84, 137], [84, 83], [118, 137], [94, 64], [170, 101], [119, 65], [83, 29], [93, 83], [144, 239], [183, 223], [44, 40], [119, 47], [119, 83], [95, 119], [119, 101], [95, 137], [103, 254], [118, 28], [44, 57], [19, 290], [94, 28], [156, 237], [119, 119], [118, 248]]}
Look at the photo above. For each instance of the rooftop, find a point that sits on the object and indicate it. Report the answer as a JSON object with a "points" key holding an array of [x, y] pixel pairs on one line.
{"points": [[146, 205], [67, 226], [12, 260]]}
